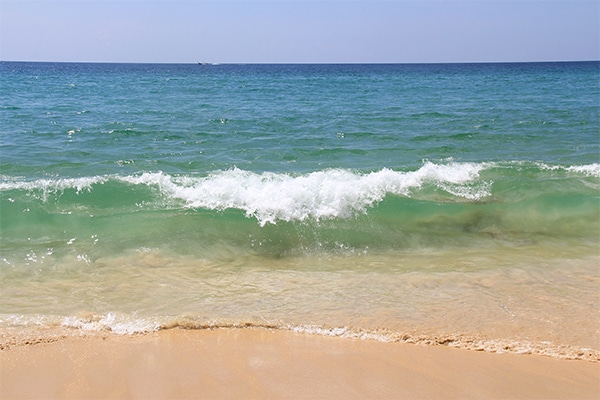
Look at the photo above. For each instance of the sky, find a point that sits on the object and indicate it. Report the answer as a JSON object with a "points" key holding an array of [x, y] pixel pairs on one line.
{"points": [[299, 31]]}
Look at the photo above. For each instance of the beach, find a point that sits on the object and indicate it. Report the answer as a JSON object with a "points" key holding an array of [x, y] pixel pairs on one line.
{"points": [[299, 230], [275, 364]]}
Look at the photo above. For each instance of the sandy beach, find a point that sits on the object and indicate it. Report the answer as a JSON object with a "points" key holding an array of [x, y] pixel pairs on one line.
{"points": [[276, 364], [299, 231]]}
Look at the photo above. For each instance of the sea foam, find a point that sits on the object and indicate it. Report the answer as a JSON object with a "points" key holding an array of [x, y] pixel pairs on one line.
{"points": [[334, 193], [589, 170], [51, 186]]}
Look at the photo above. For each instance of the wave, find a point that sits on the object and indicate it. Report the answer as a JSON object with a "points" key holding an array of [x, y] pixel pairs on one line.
{"points": [[48, 186], [335, 193], [270, 197], [589, 170]]}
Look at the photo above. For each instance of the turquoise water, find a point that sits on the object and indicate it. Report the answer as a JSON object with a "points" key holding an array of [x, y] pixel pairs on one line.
{"points": [[135, 197]]}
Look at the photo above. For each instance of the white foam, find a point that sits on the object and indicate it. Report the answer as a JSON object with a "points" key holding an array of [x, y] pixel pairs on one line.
{"points": [[51, 186], [334, 193], [589, 170], [269, 197], [340, 331], [119, 324]]}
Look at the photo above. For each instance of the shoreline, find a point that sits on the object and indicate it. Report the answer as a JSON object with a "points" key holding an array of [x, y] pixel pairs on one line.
{"points": [[267, 363], [90, 326]]}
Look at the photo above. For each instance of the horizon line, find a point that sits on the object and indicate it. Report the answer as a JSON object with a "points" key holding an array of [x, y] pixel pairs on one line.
{"points": [[300, 63]]}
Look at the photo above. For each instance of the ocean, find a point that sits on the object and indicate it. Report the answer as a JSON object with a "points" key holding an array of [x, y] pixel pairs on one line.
{"points": [[452, 204]]}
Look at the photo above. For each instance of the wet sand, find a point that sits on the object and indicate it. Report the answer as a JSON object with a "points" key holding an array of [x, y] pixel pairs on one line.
{"points": [[275, 364]]}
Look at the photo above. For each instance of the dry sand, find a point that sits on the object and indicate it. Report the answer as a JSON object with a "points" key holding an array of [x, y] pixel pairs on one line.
{"points": [[272, 364]]}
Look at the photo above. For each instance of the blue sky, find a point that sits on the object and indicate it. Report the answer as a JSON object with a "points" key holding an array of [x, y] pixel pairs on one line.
{"points": [[304, 31]]}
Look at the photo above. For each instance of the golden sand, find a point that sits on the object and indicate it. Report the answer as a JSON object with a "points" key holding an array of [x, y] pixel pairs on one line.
{"points": [[273, 364]]}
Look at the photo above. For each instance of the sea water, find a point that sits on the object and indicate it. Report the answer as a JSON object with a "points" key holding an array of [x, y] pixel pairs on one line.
{"points": [[453, 203]]}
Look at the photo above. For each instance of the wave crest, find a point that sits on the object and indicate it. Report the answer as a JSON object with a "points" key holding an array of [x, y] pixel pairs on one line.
{"points": [[335, 193], [328, 194]]}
